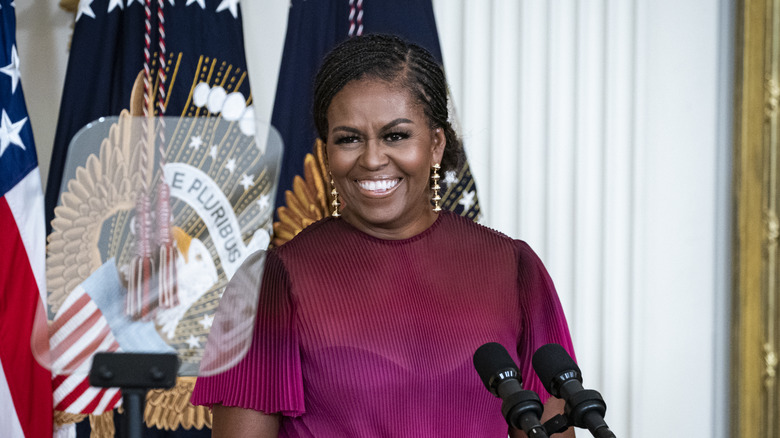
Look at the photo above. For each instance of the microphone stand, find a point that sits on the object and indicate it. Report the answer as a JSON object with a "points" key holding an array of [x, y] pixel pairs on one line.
{"points": [[560, 423], [135, 374], [522, 410]]}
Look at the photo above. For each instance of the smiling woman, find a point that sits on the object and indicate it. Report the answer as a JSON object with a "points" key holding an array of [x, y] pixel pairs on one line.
{"points": [[367, 322], [380, 153]]}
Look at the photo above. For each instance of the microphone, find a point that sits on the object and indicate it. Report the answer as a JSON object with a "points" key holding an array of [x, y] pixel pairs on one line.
{"points": [[563, 379], [521, 408]]}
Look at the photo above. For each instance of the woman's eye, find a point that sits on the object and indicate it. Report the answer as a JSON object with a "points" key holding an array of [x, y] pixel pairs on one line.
{"points": [[396, 136], [347, 139]]}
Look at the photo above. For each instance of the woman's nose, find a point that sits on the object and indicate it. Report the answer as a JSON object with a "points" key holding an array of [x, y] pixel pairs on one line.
{"points": [[373, 156]]}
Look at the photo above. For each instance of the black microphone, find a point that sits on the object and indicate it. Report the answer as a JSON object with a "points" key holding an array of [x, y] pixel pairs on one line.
{"points": [[563, 379], [521, 408]]}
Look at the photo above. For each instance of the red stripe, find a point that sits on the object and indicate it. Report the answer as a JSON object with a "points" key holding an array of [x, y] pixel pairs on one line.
{"points": [[29, 382], [88, 351], [76, 334], [114, 401], [60, 320], [58, 380], [90, 407], [79, 390], [73, 395]]}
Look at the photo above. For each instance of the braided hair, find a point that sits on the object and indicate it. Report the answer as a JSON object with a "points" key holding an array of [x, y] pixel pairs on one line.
{"points": [[393, 60]]}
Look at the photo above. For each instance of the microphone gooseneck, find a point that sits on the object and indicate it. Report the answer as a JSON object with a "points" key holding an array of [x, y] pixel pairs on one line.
{"points": [[562, 378], [521, 408]]}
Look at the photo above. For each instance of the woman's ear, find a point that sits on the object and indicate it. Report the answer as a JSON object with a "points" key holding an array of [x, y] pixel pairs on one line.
{"points": [[439, 143]]}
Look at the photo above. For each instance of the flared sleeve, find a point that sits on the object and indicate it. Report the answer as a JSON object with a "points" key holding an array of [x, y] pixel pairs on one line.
{"points": [[268, 378], [542, 318]]}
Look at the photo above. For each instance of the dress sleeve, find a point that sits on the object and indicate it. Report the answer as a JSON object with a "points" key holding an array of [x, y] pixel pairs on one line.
{"points": [[268, 378], [542, 318]]}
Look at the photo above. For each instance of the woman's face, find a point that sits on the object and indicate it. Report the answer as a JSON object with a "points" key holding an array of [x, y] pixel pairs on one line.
{"points": [[380, 152]]}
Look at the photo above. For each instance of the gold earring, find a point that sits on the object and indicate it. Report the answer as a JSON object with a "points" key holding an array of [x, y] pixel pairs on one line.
{"points": [[335, 195], [435, 188]]}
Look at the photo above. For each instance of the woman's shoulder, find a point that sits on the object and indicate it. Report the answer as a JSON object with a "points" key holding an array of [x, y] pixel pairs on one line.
{"points": [[462, 225], [476, 233], [317, 234]]}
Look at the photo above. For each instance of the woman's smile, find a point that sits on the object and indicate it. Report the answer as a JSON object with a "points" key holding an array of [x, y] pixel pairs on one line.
{"points": [[379, 187]]}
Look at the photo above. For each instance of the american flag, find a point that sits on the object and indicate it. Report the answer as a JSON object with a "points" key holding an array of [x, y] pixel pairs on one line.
{"points": [[80, 330], [25, 385]]}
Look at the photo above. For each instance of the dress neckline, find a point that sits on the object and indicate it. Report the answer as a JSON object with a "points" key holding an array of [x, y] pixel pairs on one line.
{"points": [[407, 240]]}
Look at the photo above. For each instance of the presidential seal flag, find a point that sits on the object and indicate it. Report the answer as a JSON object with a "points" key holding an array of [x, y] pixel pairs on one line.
{"points": [[110, 46], [25, 385], [313, 28], [179, 67], [217, 174]]}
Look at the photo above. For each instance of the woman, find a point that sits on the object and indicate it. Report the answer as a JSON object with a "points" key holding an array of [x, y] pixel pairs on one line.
{"points": [[367, 321]]}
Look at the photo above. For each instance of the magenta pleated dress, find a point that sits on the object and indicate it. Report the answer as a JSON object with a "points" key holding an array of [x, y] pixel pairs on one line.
{"points": [[357, 336]]}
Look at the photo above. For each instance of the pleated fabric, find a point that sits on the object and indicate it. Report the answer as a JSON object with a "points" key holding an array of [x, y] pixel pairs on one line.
{"points": [[357, 336]]}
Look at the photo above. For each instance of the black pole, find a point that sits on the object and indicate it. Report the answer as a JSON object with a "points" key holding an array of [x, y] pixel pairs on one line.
{"points": [[133, 400]]}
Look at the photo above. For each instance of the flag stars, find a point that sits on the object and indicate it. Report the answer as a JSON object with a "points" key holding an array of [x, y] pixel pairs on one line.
{"points": [[231, 165], [85, 8], [201, 3], [264, 202], [232, 5], [193, 342], [213, 152], [449, 177], [9, 132], [206, 321], [467, 199], [247, 181], [113, 4], [12, 69], [195, 142]]}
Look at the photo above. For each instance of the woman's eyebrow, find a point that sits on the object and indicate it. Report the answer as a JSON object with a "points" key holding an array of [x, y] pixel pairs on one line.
{"points": [[346, 128], [396, 122]]}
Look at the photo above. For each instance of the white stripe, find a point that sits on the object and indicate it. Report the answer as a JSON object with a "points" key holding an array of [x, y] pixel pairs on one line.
{"points": [[73, 351], [103, 405], [76, 321], [70, 300], [26, 202], [88, 397], [80, 344], [67, 386], [9, 422], [85, 399], [71, 382]]}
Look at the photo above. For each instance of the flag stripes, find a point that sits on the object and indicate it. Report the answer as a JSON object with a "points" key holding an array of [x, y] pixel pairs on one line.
{"points": [[28, 382], [80, 330]]}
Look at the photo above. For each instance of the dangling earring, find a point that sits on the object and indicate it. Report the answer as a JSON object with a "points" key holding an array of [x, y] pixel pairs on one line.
{"points": [[335, 195], [435, 188]]}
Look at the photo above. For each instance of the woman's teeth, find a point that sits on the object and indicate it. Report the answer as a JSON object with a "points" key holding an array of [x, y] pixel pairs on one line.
{"points": [[378, 185]]}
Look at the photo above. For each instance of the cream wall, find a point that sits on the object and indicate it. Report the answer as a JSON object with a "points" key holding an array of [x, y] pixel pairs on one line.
{"points": [[599, 132]]}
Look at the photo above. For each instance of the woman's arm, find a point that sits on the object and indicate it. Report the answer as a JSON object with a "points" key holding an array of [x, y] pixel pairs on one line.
{"points": [[229, 421], [552, 407]]}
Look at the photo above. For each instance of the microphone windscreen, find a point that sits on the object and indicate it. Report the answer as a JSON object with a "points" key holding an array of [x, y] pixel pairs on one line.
{"points": [[491, 358], [549, 362]]}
